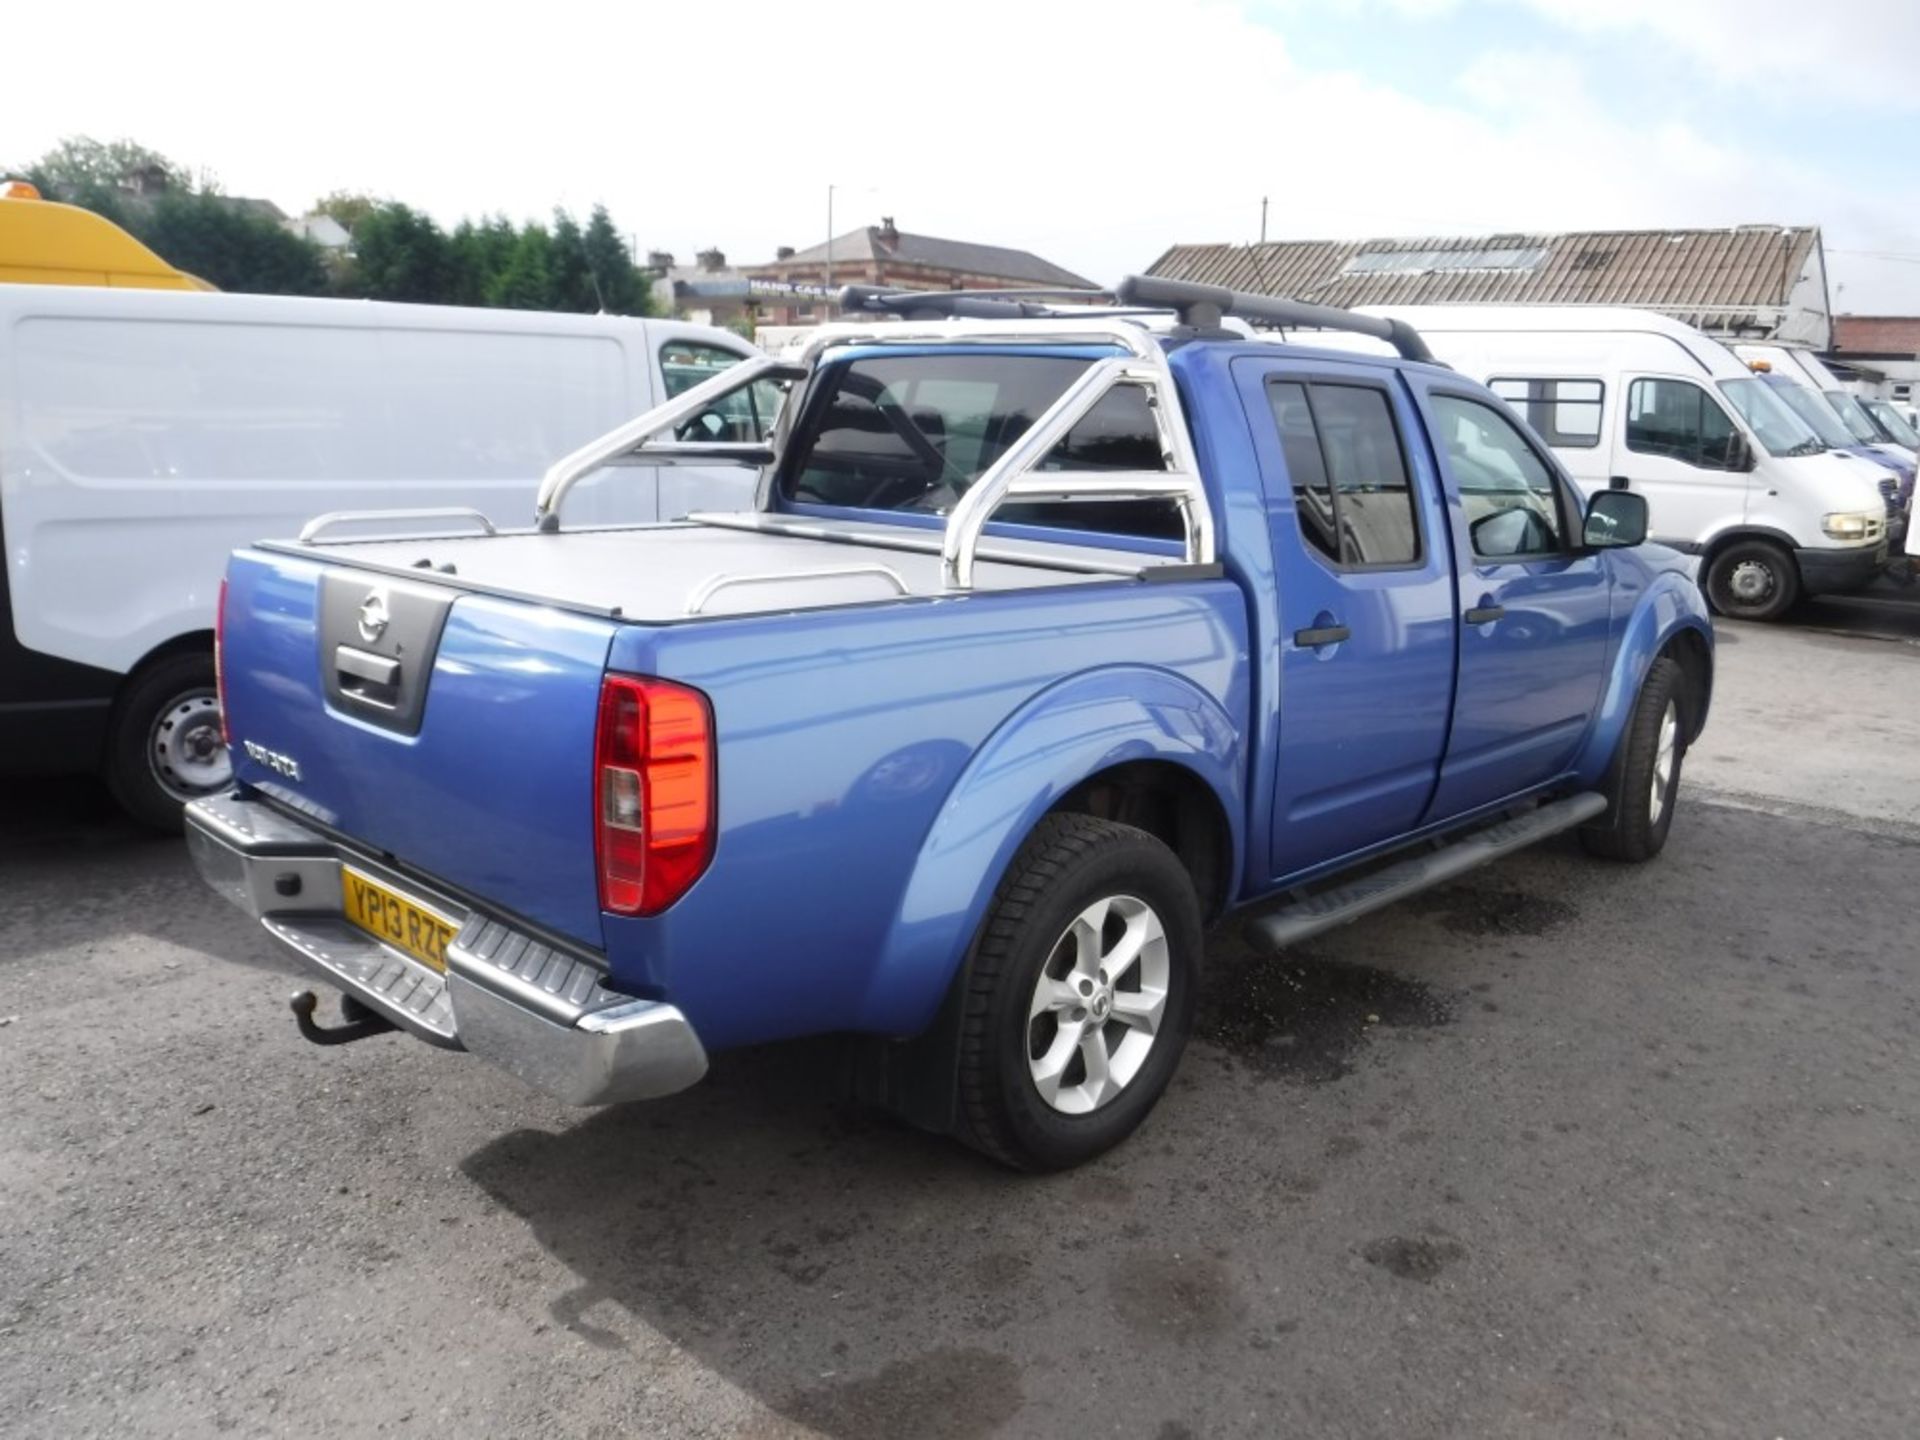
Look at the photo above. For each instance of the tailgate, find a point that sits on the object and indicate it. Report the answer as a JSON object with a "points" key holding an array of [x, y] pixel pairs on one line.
{"points": [[451, 731]]}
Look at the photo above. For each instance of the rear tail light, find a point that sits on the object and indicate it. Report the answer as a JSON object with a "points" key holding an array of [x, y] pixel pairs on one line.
{"points": [[220, 662], [653, 792]]}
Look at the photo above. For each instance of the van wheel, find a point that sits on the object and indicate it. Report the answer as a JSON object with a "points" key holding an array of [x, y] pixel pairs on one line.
{"points": [[165, 747], [1080, 996], [1644, 782], [1753, 580]]}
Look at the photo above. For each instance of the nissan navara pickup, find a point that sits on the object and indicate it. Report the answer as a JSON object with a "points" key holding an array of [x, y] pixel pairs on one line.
{"points": [[1055, 635]]}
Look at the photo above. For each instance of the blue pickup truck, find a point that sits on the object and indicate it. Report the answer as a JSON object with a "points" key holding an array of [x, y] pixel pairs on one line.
{"points": [[1055, 636]]}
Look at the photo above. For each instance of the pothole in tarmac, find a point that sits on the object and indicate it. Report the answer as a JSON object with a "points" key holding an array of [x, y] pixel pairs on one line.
{"points": [[1306, 1019]]}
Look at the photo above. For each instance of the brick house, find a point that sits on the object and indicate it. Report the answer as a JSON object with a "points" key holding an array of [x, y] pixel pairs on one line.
{"points": [[885, 255]]}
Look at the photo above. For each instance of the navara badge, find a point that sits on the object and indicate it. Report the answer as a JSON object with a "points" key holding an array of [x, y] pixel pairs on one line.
{"points": [[373, 616]]}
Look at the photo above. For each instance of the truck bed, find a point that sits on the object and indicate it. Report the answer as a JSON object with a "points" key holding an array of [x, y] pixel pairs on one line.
{"points": [[666, 574]]}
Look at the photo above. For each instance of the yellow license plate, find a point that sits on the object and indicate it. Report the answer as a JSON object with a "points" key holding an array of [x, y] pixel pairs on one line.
{"points": [[402, 923]]}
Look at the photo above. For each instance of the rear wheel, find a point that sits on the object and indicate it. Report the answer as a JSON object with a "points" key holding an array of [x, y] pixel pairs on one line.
{"points": [[1080, 995], [1753, 580], [1644, 784], [165, 748]]}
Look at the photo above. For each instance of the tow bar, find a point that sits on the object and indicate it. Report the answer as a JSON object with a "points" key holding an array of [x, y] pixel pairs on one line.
{"points": [[360, 1023]]}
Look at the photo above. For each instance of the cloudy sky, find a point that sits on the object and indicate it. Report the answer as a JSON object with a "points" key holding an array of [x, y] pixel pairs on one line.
{"points": [[1095, 134]]}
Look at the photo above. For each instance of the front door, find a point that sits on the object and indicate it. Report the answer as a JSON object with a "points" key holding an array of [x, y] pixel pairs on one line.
{"points": [[1534, 606], [1675, 443], [1366, 606]]}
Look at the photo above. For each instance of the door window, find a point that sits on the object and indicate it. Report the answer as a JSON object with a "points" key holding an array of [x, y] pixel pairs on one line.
{"points": [[1679, 420], [1351, 488], [742, 418], [1508, 491]]}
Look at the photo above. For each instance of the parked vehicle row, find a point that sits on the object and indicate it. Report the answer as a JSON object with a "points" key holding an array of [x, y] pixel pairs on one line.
{"points": [[1631, 400], [147, 433], [1045, 641]]}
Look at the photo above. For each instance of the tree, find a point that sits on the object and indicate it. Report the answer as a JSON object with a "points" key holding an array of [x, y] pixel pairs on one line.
{"points": [[623, 290], [230, 247], [400, 254], [572, 278], [101, 174], [526, 282]]}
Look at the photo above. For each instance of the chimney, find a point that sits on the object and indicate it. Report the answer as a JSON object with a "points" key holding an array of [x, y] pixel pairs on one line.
{"points": [[659, 259], [784, 252], [713, 260], [889, 233]]}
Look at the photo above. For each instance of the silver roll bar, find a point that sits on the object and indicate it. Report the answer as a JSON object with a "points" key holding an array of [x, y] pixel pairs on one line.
{"points": [[315, 527], [616, 444], [1015, 476]]}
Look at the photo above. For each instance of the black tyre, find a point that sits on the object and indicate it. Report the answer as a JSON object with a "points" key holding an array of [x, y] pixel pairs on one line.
{"points": [[1644, 782], [1753, 580], [165, 748], [1080, 994]]}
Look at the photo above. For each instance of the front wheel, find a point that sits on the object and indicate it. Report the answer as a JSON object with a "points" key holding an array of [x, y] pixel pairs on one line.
{"points": [[165, 747], [1644, 783], [1753, 580], [1080, 994]]}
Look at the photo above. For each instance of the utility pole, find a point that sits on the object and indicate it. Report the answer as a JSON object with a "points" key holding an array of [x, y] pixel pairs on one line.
{"points": [[829, 284], [1263, 219]]}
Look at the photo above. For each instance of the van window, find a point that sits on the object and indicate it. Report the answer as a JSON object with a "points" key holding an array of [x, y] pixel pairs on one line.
{"points": [[913, 432], [1679, 420], [742, 418], [1351, 490], [1509, 493], [172, 401], [1858, 421], [1564, 413]]}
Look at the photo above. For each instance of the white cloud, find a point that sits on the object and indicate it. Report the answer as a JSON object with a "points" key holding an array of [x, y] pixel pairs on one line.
{"points": [[1045, 126]]}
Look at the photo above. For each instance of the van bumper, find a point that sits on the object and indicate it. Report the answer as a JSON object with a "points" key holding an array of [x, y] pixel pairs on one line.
{"points": [[1836, 572], [541, 1013]]}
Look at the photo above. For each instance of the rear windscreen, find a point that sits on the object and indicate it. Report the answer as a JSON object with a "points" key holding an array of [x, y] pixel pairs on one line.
{"points": [[913, 432]]}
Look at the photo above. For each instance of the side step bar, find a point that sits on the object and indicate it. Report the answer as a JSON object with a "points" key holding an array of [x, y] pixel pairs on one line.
{"points": [[1326, 909]]}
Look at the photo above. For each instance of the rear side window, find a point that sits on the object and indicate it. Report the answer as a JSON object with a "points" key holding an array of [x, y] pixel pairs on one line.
{"points": [[1679, 420], [913, 432], [1564, 413], [1512, 503], [1351, 490]]}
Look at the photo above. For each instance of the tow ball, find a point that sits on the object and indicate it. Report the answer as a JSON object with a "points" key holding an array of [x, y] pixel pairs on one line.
{"points": [[358, 1022]]}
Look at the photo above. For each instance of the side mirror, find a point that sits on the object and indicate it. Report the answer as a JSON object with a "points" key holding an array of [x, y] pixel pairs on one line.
{"points": [[1615, 518], [1739, 454]]}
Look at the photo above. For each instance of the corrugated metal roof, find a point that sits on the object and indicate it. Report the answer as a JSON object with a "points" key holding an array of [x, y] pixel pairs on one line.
{"points": [[1716, 279], [872, 242]]}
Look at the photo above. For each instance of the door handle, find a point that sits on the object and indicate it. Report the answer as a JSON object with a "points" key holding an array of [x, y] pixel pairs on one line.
{"points": [[1619, 482], [1484, 614], [1318, 635]]}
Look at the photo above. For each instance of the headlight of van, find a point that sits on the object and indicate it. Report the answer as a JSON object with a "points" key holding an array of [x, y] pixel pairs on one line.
{"points": [[1848, 524]]}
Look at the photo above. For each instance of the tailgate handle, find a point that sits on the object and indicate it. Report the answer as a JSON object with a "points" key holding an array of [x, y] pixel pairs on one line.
{"points": [[366, 677]]}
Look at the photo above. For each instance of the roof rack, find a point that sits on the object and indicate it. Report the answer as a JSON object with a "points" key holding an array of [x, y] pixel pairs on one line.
{"points": [[1198, 307]]}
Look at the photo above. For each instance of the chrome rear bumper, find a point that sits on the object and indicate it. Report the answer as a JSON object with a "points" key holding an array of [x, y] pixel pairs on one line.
{"points": [[509, 998]]}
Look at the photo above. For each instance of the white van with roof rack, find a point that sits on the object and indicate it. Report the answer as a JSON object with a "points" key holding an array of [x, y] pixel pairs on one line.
{"points": [[1632, 400], [144, 434]]}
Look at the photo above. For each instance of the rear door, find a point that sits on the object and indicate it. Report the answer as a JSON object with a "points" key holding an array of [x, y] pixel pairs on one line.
{"points": [[1366, 600], [1534, 605]]}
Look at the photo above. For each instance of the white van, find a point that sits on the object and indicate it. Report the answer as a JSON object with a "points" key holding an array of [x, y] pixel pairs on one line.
{"points": [[145, 434], [1802, 365], [1629, 399]]}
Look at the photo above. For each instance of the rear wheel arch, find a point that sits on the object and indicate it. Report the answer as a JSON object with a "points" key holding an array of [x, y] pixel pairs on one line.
{"points": [[1176, 807]]}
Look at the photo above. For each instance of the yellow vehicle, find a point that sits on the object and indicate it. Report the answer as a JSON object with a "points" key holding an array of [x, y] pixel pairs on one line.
{"points": [[45, 243]]}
